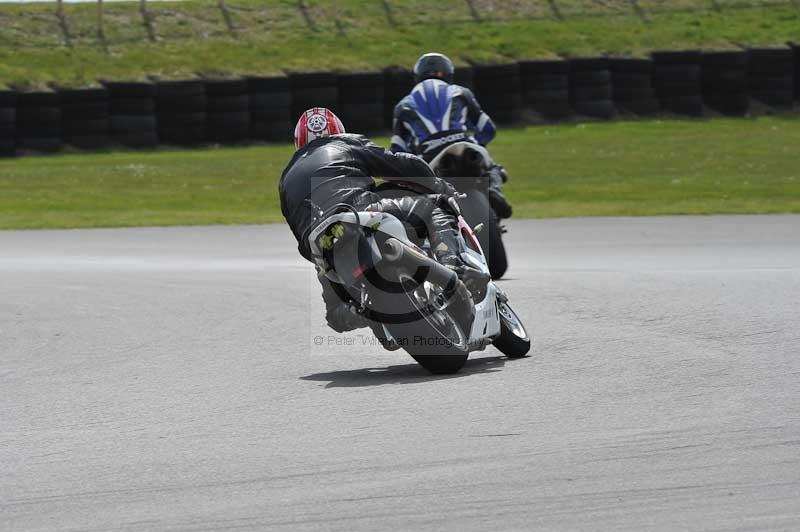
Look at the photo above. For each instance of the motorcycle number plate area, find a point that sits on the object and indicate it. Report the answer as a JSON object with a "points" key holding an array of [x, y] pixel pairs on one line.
{"points": [[487, 318], [352, 257]]}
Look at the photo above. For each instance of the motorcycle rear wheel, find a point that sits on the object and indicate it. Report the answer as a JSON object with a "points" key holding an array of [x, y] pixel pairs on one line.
{"points": [[438, 339]]}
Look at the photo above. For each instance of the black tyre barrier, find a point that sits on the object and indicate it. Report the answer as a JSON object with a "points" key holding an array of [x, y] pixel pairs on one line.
{"points": [[229, 127], [771, 61], [633, 94], [537, 67], [317, 89], [228, 104], [133, 123], [398, 83], [181, 119], [88, 142], [85, 117], [132, 112], [595, 108], [678, 89], [181, 112], [591, 78], [735, 104], [8, 119], [8, 98], [678, 73], [92, 126], [796, 49], [725, 80], [545, 86], [725, 59], [465, 76], [227, 110], [676, 57], [547, 95], [640, 107], [272, 100], [130, 89], [272, 132], [725, 87], [782, 98], [8, 115], [132, 106], [590, 89], [362, 88], [545, 82], [782, 83], [632, 81], [147, 138], [79, 96], [7, 147], [590, 93], [183, 134], [270, 108], [221, 88], [683, 105], [38, 122], [269, 84], [499, 90], [622, 66], [33, 116], [366, 118], [361, 101], [771, 76], [269, 115], [38, 99], [678, 81], [38, 144], [87, 111], [304, 99]]}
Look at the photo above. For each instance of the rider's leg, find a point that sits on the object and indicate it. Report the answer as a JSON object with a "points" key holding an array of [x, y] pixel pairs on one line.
{"points": [[439, 224], [497, 176], [340, 313]]}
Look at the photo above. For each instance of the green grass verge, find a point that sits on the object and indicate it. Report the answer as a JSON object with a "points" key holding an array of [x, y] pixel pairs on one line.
{"points": [[621, 168], [272, 36]]}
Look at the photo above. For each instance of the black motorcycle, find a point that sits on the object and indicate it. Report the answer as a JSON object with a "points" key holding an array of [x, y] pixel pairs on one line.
{"points": [[463, 164]]}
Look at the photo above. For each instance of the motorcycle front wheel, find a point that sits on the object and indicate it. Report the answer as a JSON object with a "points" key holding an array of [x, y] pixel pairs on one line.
{"points": [[514, 340], [477, 210]]}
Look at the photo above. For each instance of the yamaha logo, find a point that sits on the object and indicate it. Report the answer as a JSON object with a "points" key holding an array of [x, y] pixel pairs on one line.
{"points": [[317, 123]]}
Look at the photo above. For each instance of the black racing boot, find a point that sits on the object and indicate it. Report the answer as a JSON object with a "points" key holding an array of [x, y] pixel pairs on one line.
{"points": [[445, 246], [499, 203], [344, 317]]}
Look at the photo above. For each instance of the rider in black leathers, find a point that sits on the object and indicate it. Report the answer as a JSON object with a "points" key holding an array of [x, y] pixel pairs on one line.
{"points": [[337, 169]]}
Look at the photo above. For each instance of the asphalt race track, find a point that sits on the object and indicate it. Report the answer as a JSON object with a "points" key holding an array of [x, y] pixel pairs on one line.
{"points": [[170, 380]]}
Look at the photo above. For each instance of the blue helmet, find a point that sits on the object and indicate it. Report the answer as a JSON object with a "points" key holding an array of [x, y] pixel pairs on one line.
{"points": [[434, 66]]}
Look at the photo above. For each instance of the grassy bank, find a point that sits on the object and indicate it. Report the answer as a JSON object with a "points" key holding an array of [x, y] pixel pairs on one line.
{"points": [[622, 168], [269, 37]]}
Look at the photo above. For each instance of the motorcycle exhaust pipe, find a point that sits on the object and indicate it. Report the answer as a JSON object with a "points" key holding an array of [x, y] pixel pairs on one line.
{"points": [[412, 261]]}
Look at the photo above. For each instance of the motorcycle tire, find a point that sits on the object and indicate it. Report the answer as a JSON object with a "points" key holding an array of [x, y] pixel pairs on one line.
{"points": [[514, 340], [418, 335], [498, 261], [476, 210]]}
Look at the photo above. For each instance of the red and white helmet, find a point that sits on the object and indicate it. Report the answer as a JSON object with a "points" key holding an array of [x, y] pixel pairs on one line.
{"points": [[316, 123]]}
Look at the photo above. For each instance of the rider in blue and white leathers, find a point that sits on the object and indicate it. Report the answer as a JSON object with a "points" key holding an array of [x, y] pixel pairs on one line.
{"points": [[438, 113]]}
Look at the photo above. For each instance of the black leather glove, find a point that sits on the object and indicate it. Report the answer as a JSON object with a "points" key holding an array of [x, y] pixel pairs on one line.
{"points": [[443, 187]]}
